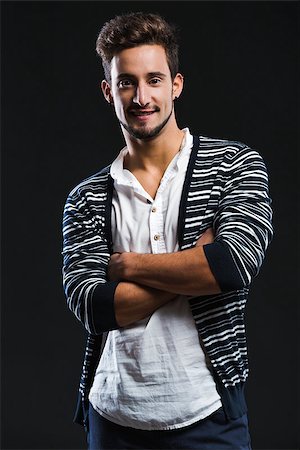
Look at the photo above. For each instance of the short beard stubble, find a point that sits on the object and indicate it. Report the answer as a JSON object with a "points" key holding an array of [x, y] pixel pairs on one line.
{"points": [[146, 134]]}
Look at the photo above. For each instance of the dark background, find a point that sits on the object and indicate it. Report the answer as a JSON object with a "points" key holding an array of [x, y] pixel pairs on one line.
{"points": [[240, 65]]}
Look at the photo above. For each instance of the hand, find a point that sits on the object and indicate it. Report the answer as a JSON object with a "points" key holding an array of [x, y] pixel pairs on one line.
{"points": [[207, 238], [118, 266], [114, 267]]}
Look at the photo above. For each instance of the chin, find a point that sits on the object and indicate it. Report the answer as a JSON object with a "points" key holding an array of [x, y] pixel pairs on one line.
{"points": [[144, 132]]}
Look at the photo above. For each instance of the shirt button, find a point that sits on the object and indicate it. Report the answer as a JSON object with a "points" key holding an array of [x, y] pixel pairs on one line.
{"points": [[156, 237], [153, 209]]}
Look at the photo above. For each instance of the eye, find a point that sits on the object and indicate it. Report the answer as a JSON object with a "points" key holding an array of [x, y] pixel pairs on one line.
{"points": [[125, 83], [155, 81]]}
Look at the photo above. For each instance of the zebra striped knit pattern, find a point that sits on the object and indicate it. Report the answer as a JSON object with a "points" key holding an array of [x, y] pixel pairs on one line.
{"points": [[226, 187]]}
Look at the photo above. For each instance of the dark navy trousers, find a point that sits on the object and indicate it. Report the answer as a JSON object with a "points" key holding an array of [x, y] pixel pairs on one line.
{"points": [[212, 433]]}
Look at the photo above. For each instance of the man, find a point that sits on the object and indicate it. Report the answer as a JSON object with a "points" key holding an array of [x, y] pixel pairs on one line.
{"points": [[160, 249]]}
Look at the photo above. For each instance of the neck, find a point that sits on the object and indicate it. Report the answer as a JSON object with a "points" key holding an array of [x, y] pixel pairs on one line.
{"points": [[155, 153]]}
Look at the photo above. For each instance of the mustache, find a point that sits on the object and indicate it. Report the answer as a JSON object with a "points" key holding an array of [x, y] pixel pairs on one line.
{"points": [[137, 108]]}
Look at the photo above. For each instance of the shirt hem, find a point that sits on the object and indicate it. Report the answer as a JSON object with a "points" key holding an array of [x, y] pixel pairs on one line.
{"points": [[217, 405]]}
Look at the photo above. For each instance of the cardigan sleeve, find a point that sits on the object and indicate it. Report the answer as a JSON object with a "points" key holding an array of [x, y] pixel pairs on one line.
{"points": [[85, 259], [242, 222]]}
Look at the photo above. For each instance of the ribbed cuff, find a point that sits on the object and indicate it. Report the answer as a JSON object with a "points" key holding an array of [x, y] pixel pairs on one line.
{"points": [[104, 317], [223, 266]]}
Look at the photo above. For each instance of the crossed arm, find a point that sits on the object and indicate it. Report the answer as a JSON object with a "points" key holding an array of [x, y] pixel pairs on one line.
{"points": [[149, 281], [243, 226]]}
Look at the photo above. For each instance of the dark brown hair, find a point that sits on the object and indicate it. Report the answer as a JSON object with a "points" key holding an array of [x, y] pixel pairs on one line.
{"points": [[133, 29]]}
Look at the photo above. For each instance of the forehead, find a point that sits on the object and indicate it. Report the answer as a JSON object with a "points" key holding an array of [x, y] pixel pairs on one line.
{"points": [[140, 60]]}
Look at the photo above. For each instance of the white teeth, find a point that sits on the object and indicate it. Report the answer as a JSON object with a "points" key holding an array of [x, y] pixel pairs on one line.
{"points": [[140, 113]]}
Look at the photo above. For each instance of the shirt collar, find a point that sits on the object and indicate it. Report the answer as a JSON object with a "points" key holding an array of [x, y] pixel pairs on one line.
{"points": [[122, 176]]}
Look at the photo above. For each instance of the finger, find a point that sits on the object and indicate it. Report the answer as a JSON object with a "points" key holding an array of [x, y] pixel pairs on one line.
{"points": [[114, 256]]}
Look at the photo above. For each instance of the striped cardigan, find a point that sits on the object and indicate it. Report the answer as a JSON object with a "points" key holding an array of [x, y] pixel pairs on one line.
{"points": [[226, 187]]}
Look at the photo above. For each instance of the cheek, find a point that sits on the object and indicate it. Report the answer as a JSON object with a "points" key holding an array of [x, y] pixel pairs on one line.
{"points": [[121, 104], [119, 108]]}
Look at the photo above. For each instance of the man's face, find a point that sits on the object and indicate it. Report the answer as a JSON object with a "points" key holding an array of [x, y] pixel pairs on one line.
{"points": [[142, 90]]}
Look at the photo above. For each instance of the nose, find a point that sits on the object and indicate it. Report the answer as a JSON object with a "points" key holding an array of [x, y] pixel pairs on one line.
{"points": [[142, 95]]}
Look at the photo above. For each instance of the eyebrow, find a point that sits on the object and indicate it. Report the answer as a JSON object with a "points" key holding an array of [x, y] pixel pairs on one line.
{"points": [[150, 74], [157, 74]]}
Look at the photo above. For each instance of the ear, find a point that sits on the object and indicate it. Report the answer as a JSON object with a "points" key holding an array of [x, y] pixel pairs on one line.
{"points": [[177, 85], [106, 90]]}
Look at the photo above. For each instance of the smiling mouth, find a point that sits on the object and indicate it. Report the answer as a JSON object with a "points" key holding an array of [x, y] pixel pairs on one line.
{"points": [[142, 113]]}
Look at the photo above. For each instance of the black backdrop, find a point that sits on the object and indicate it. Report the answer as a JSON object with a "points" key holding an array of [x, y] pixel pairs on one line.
{"points": [[240, 66]]}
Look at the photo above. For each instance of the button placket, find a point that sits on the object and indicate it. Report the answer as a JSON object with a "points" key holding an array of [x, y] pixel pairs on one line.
{"points": [[156, 226]]}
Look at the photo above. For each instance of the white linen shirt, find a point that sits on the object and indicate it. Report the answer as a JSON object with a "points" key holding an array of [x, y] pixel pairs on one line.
{"points": [[153, 374]]}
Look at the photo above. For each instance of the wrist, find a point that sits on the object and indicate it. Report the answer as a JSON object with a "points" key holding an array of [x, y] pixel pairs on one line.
{"points": [[130, 265]]}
